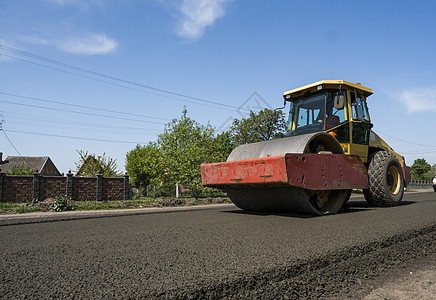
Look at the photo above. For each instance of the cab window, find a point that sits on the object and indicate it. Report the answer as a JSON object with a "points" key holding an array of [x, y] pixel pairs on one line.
{"points": [[335, 113], [359, 108]]}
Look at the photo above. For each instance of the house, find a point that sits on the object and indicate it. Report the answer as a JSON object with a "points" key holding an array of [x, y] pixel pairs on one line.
{"points": [[41, 164]]}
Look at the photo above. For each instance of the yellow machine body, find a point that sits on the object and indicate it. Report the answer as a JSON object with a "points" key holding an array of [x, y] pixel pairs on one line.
{"points": [[363, 147]]}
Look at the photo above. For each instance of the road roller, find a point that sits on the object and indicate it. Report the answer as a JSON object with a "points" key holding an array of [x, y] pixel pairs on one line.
{"points": [[329, 150]]}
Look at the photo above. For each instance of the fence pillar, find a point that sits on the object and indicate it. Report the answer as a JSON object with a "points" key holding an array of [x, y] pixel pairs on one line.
{"points": [[1, 185], [36, 181], [99, 187], [127, 189], [69, 187]]}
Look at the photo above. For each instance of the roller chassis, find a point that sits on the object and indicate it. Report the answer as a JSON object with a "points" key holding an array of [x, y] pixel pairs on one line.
{"points": [[307, 171], [305, 183]]}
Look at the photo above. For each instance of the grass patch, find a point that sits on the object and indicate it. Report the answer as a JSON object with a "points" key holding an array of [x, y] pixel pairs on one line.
{"points": [[18, 208], [61, 204], [121, 204]]}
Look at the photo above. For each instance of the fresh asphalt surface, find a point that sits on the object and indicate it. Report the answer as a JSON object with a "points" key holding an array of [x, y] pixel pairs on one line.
{"points": [[221, 252]]}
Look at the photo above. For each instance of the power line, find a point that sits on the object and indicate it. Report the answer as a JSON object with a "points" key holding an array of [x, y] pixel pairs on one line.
{"points": [[82, 129], [81, 106], [13, 146], [118, 85], [421, 152], [405, 141], [113, 78], [80, 113], [76, 123], [10, 142], [108, 82], [427, 151], [75, 137]]}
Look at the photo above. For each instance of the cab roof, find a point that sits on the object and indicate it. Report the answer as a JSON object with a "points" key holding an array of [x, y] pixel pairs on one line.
{"points": [[326, 84]]}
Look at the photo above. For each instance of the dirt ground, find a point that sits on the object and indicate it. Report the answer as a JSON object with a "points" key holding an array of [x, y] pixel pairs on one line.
{"points": [[414, 280]]}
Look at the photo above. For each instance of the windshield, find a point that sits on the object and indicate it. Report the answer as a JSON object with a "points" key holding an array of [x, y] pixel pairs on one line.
{"points": [[315, 113], [307, 115]]}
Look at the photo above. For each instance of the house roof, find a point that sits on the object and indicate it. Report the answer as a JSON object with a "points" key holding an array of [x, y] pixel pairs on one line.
{"points": [[33, 162]]}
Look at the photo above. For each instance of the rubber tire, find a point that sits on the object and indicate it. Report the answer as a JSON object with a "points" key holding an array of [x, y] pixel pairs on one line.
{"points": [[286, 199], [378, 193], [348, 196]]}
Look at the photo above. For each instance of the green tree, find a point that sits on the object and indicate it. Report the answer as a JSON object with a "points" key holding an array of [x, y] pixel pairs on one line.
{"points": [[185, 145], [432, 172], [144, 163], [21, 170], [224, 145], [265, 125], [421, 170], [91, 164]]}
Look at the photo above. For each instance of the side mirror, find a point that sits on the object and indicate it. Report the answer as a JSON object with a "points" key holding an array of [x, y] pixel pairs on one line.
{"points": [[339, 101], [276, 111]]}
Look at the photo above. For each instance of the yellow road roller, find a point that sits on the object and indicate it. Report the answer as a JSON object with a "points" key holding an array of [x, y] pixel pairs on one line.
{"points": [[329, 149]]}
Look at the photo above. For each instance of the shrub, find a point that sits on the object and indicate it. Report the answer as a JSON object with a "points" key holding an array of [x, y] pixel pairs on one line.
{"points": [[61, 203]]}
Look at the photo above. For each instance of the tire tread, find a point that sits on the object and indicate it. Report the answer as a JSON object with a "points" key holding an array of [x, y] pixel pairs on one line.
{"points": [[378, 193]]}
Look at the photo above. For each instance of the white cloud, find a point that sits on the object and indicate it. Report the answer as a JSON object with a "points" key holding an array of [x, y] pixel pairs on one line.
{"points": [[197, 15], [419, 100], [89, 45]]}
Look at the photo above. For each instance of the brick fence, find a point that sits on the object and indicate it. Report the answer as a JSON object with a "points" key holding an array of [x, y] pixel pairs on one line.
{"points": [[38, 187]]}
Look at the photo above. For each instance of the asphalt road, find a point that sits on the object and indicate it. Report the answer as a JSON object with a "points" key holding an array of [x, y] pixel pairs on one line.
{"points": [[220, 252]]}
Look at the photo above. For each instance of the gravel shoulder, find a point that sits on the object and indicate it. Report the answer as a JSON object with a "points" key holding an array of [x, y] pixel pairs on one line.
{"points": [[415, 279], [40, 217]]}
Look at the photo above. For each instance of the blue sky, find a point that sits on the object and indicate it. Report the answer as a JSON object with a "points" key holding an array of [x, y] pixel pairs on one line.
{"points": [[140, 62]]}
